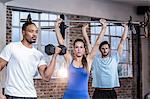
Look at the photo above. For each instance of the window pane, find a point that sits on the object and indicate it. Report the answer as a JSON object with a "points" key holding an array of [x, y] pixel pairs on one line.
{"points": [[107, 31], [15, 34], [105, 38], [24, 15], [44, 23], [53, 38], [48, 37], [112, 30], [93, 29], [124, 57], [34, 16], [15, 18], [123, 70], [52, 16], [97, 30], [20, 32], [119, 30], [45, 37], [51, 23], [44, 16], [93, 39], [36, 23], [114, 42], [92, 23]]}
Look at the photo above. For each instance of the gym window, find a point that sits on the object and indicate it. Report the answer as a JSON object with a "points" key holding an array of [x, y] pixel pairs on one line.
{"points": [[45, 36], [113, 35]]}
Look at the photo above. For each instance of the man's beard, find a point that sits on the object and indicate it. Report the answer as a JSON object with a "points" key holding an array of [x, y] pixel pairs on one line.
{"points": [[30, 41], [104, 55]]}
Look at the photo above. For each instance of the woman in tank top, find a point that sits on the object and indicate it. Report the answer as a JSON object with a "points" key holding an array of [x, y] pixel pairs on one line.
{"points": [[79, 65]]}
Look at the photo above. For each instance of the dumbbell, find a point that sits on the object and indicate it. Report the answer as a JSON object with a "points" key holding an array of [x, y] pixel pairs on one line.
{"points": [[63, 49], [50, 49]]}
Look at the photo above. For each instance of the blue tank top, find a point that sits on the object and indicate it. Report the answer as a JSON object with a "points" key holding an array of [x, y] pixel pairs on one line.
{"points": [[78, 78], [77, 84]]}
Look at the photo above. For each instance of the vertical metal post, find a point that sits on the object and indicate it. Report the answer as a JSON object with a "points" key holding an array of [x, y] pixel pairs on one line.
{"points": [[138, 60]]}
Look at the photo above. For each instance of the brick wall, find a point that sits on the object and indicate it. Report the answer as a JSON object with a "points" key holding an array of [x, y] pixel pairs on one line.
{"points": [[8, 25], [126, 90], [54, 89]]}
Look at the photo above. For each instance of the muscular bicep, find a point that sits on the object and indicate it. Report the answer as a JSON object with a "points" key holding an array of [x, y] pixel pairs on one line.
{"points": [[42, 70], [3, 63]]}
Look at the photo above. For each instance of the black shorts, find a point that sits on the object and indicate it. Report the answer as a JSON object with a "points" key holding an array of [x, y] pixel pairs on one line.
{"points": [[104, 94], [14, 97]]}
